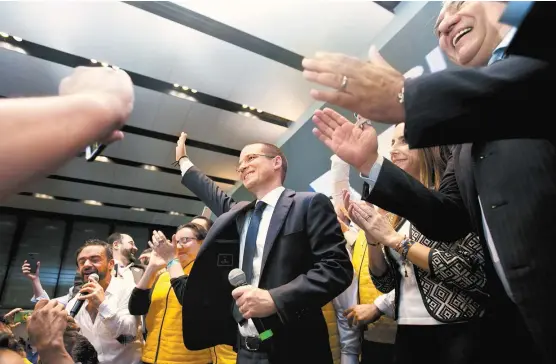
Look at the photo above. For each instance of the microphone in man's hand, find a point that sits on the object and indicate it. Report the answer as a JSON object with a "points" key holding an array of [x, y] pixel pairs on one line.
{"points": [[237, 278], [79, 303]]}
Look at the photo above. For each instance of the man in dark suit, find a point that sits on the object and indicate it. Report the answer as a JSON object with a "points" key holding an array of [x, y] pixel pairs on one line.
{"points": [[502, 187], [292, 250]]}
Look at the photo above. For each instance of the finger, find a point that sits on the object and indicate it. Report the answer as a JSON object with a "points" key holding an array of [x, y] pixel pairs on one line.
{"points": [[13, 312], [240, 291], [329, 118], [335, 63], [115, 136], [161, 234], [248, 314], [86, 296], [332, 114], [346, 197], [174, 241], [332, 80], [323, 138], [323, 127], [348, 311], [355, 321], [342, 99], [150, 244]]}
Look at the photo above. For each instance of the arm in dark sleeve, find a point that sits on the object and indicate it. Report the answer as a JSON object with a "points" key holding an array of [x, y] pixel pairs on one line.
{"points": [[332, 271], [474, 105], [178, 284], [139, 301], [439, 215], [204, 188]]}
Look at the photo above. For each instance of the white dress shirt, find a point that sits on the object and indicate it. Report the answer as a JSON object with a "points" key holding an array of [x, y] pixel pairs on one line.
{"points": [[112, 321], [123, 271]]}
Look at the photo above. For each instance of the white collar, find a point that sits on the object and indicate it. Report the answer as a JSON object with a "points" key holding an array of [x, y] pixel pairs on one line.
{"points": [[273, 196]]}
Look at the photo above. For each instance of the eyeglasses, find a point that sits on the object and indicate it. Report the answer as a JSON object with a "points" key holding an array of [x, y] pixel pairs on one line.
{"points": [[250, 158], [185, 240]]}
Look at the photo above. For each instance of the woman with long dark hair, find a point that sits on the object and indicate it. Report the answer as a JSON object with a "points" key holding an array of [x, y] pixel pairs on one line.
{"points": [[435, 289]]}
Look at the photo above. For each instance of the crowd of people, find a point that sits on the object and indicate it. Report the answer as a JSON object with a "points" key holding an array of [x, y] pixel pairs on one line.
{"points": [[445, 259]]}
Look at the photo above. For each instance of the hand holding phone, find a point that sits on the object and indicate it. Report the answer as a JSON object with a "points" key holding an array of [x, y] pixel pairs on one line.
{"points": [[33, 262]]}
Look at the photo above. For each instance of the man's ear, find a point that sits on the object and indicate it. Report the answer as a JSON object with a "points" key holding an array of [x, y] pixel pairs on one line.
{"points": [[116, 245], [111, 264], [277, 162]]}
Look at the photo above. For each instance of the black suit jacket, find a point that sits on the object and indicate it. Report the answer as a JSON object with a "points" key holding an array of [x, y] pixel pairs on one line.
{"points": [[305, 265], [487, 110]]}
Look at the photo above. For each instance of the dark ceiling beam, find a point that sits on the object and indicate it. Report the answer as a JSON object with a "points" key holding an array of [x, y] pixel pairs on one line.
{"points": [[71, 60], [216, 29]]}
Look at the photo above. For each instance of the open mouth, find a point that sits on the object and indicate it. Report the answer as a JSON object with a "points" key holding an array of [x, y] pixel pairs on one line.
{"points": [[396, 161], [460, 34], [247, 174]]}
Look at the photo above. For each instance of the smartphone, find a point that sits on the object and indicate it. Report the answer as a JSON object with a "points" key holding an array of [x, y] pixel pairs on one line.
{"points": [[92, 151], [22, 316], [33, 262]]}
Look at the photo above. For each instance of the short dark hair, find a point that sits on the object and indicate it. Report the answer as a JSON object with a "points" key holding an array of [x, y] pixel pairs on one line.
{"points": [[209, 221], [200, 232], [273, 150], [114, 238], [80, 348], [95, 242]]}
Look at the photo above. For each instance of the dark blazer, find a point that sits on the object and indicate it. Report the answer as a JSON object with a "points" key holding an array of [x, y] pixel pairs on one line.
{"points": [[305, 265], [484, 111]]}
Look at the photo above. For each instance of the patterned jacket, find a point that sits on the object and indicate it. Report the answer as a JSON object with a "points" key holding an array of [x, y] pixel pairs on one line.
{"points": [[453, 290]]}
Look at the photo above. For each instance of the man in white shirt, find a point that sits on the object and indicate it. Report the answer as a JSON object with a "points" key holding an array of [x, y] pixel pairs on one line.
{"points": [[104, 318], [124, 250]]}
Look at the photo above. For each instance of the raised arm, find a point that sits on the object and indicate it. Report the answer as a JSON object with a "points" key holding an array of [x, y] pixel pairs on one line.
{"points": [[197, 182], [93, 104], [474, 105]]}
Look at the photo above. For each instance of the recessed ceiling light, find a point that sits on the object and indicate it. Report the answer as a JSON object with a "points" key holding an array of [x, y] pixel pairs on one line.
{"points": [[102, 158], [174, 213], [93, 60], [259, 110], [185, 88], [251, 108], [244, 106], [138, 208], [104, 64], [115, 67], [43, 196], [176, 85], [4, 35], [149, 167], [17, 39], [92, 202], [193, 90]]}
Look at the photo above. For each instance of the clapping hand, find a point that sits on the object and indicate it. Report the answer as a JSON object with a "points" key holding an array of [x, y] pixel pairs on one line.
{"points": [[164, 248]]}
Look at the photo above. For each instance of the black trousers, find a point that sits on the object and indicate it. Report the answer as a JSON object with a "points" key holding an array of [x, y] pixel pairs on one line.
{"points": [[377, 353], [251, 357], [439, 344]]}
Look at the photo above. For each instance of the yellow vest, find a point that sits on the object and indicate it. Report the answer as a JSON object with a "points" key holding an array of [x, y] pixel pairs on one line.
{"points": [[329, 313], [367, 291], [164, 321]]}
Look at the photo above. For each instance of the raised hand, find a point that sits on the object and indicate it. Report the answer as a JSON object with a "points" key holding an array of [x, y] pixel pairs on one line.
{"points": [[377, 227], [26, 270], [361, 315], [372, 89], [180, 147], [355, 145], [166, 249]]}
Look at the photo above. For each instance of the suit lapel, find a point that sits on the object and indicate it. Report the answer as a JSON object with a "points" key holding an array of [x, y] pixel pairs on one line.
{"points": [[234, 215], [276, 222]]}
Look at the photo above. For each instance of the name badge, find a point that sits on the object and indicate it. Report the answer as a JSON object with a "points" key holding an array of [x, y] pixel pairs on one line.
{"points": [[225, 260]]}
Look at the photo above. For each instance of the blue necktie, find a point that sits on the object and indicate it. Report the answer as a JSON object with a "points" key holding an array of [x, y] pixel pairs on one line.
{"points": [[251, 241], [497, 55]]}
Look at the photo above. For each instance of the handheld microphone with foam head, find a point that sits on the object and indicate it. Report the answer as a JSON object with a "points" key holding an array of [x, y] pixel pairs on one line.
{"points": [[237, 278], [79, 303]]}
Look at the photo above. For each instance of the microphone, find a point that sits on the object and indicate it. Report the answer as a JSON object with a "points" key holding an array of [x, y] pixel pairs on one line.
{"points": [[79, 303], [237, 278]]}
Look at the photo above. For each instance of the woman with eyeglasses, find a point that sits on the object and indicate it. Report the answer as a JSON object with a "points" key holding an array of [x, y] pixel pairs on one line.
{"points": [[155, 298]]}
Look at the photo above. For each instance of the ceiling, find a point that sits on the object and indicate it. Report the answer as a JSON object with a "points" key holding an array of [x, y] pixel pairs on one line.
{"points": [[227, 73]]}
